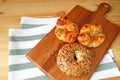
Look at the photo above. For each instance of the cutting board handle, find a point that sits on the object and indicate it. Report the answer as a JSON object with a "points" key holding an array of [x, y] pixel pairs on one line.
{"points": [[103, 8]]}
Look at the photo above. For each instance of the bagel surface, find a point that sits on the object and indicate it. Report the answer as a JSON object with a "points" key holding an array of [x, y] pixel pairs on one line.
{"points": [[75, 59]]}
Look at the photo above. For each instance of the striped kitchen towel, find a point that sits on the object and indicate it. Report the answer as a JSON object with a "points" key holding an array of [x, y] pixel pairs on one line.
{"points": [[21, 41]]}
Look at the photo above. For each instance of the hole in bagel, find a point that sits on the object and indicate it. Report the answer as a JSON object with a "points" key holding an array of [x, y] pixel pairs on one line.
{"points": [[75, 58], [78, 56]]}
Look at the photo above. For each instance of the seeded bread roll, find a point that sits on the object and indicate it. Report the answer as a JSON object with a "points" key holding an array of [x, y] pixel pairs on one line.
{"points": [[75, 59]]}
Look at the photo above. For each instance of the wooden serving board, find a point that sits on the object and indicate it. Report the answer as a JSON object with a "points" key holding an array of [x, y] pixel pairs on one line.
{"points": [[43, 55]]}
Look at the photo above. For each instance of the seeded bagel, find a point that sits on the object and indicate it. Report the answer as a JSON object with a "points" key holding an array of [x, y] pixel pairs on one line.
{"points": [[75, 59]]}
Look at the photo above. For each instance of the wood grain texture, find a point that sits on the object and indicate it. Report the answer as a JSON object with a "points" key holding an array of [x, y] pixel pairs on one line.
{"points": [[12, 10], [40, 54]]}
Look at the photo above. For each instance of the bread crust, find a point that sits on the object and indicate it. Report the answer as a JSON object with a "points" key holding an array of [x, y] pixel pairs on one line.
{"points": [[91, 35], [66, 30], [75, 59]]}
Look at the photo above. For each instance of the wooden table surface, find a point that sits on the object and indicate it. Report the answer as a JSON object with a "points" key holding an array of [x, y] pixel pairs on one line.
{"points": [[11, 12]]}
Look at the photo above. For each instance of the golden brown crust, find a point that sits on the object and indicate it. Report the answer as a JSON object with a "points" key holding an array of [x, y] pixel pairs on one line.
{"points": [[75, 59], [91, 35], [66, 30]]}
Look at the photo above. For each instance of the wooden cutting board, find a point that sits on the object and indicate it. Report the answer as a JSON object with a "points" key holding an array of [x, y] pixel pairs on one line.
{"points": [[43, 55]]}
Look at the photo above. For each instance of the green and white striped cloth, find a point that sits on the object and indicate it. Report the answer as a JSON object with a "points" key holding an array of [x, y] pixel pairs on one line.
{"points": [[21, 41]]}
